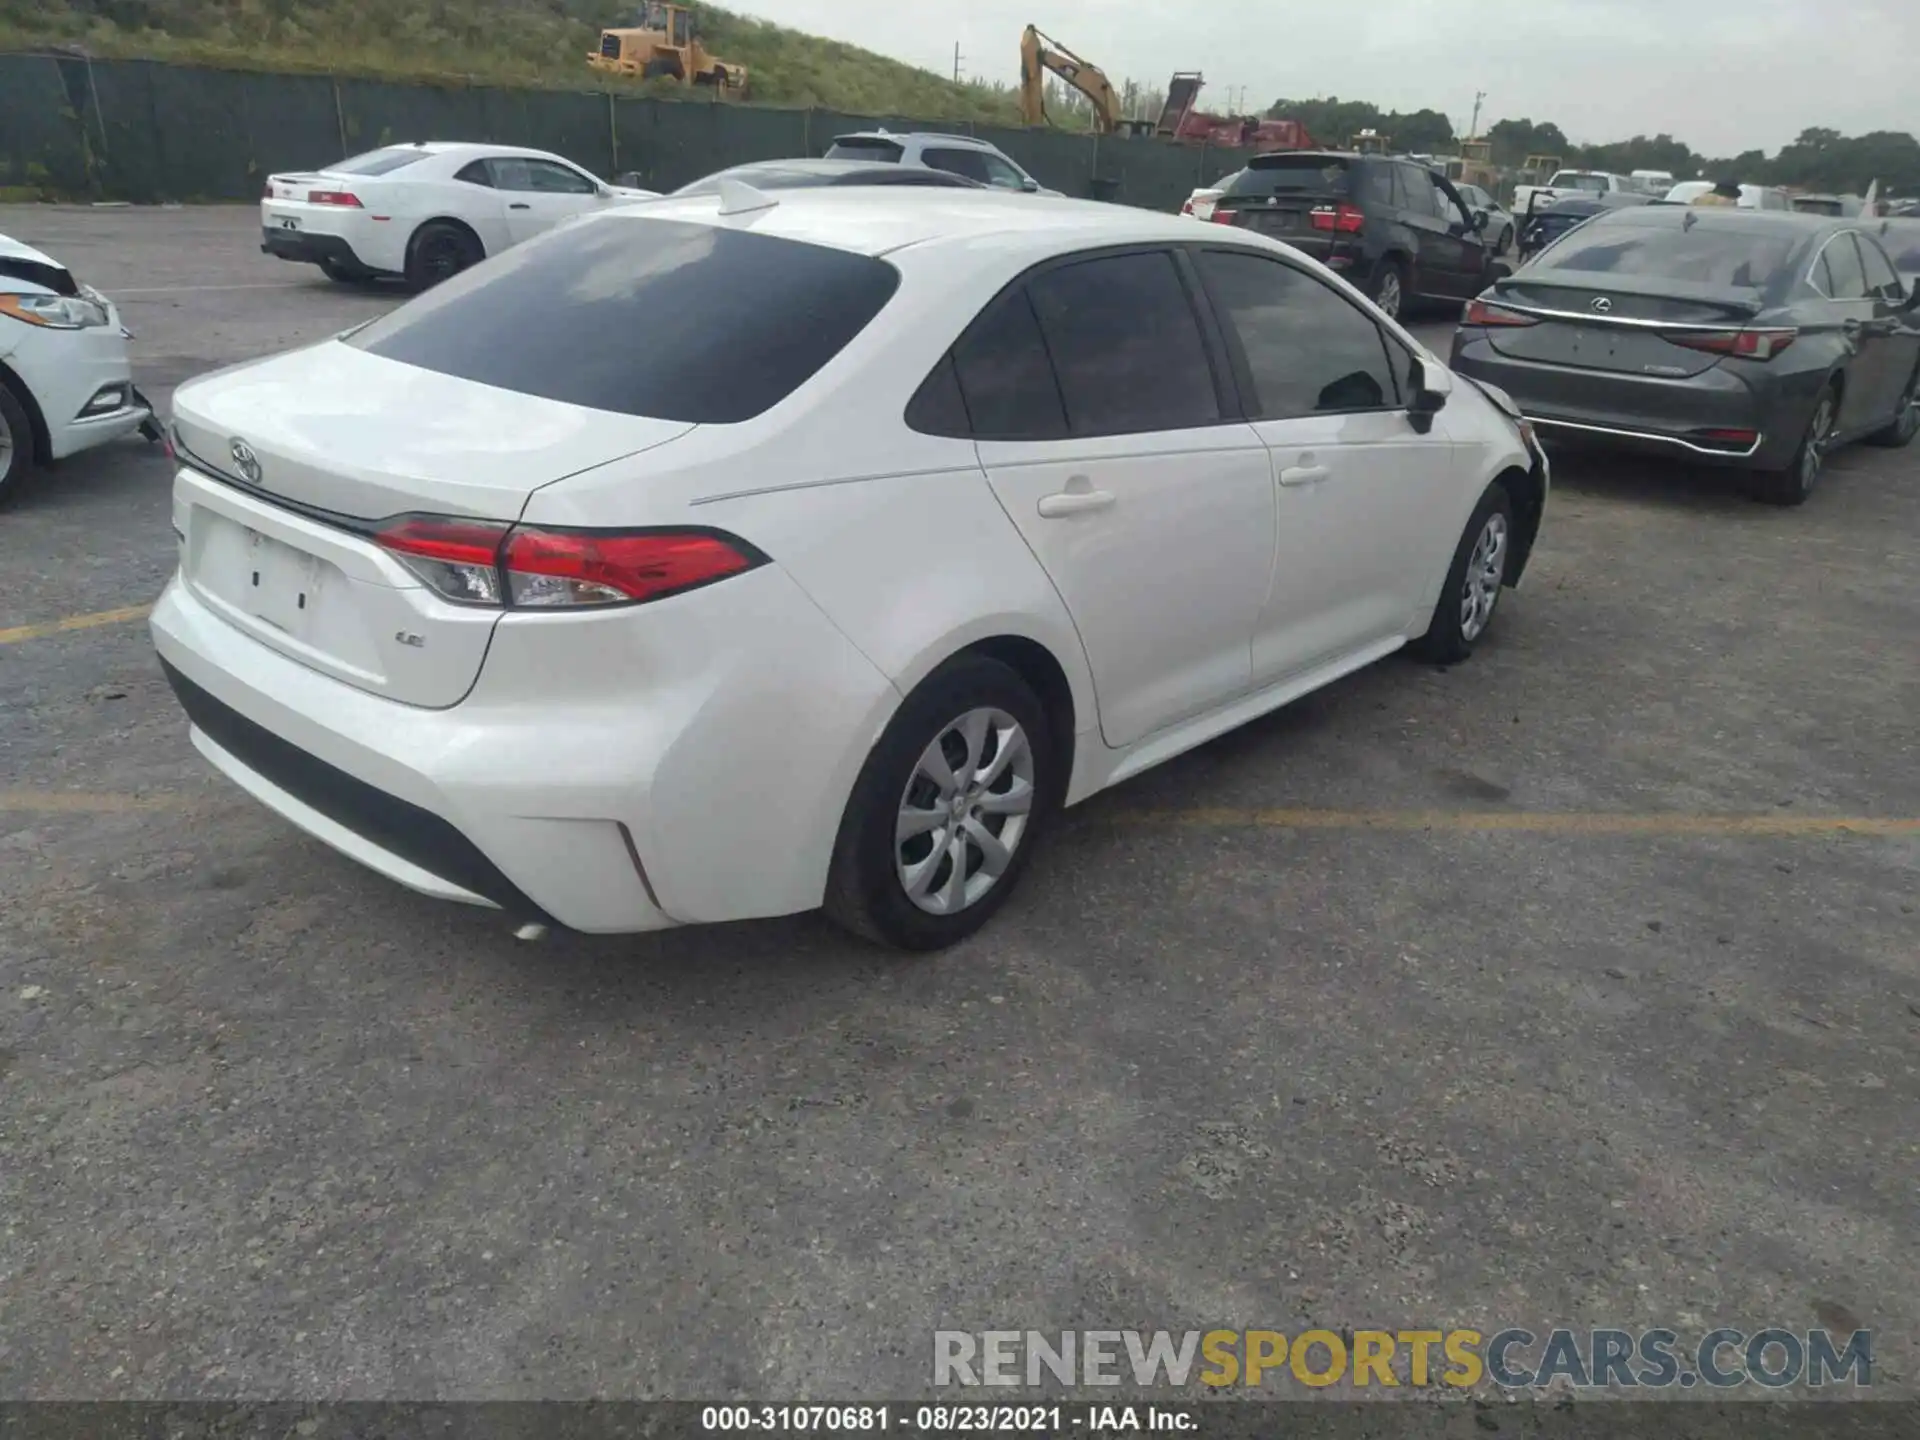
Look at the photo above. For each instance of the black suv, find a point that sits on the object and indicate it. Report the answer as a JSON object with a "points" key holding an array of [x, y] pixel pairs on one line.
{"points": [[1393, 227]]}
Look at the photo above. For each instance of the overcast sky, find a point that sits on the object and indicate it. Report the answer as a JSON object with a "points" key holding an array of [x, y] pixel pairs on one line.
{"points": [[1722, 75]]}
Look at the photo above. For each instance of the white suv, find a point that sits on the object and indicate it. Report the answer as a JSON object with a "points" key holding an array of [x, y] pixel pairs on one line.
{"points": [[957, 154]]}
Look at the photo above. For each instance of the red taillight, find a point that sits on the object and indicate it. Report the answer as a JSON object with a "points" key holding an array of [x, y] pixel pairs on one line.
{"points": [[479, 562], [459, 558], [1479, 312], [1341, 219], [563, 568], [1221, 217], [334, 197], [1186, 207], [1743, 344]]}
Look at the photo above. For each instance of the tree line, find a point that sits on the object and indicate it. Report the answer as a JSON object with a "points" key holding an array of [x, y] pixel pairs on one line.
{"points": [[1819, 160]]}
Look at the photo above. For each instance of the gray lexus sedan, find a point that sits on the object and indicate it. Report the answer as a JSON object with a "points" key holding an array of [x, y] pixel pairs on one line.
{"points": [[1757, 339]]}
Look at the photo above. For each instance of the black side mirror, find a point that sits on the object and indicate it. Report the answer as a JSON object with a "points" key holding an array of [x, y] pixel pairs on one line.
{"points": [[1030, 185], [1912, 302], [1430, 391], [1480, 219]]}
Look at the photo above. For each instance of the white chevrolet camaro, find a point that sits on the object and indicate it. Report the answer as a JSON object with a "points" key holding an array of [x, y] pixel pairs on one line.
{"points": [[734, 556], [425, 211], [65, 381]]}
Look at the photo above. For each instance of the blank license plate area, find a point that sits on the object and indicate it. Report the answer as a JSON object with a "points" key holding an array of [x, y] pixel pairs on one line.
{"points": [[261, 577]]}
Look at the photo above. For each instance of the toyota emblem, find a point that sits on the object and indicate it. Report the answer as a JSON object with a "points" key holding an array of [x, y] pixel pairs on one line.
{"points": [[245, 459], [1602, 305]]}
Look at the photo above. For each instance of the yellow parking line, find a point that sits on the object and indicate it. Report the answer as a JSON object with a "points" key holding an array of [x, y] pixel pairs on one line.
{"points": [[1531, 822], [17, 633], [84, 802]]}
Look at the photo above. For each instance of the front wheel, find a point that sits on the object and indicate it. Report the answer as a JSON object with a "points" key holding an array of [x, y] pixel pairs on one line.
{"points": [[947, 809], [1506, 239], [1474, 582]]}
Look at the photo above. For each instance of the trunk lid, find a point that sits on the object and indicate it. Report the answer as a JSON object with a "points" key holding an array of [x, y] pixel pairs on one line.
{"points": [[1616, 338], [312, 449], [338, 429]]}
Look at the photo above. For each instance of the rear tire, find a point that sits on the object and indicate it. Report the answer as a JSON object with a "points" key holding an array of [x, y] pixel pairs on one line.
{"points": [[439, 251], [16, 444], [662, 68], [1506, 241], [1906, 423], [936, 884], [1387, 287], [1475, 580], [1793, 485]]}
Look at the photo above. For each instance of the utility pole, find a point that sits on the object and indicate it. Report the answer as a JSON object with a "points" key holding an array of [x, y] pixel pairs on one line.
{"points": [[1473, 125], [956, 62]]}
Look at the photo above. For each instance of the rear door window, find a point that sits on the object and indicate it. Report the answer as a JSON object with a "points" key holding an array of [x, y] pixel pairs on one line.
{"points": [[1005, 377], [476, 173], [1881, 279], [1126, 345], [1308, 350], [1846, 279], [662, 318]]}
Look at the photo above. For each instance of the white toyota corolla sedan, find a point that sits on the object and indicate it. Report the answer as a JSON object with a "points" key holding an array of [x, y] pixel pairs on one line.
{"points": [[425, 211], [732, 556]]}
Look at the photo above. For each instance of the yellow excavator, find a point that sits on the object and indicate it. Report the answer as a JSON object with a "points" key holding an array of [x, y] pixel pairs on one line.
{"points": [[1041, 54]]}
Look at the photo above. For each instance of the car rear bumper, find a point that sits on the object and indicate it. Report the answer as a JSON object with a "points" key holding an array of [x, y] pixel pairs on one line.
{"points": [[1646, 413], [610, 773], [310, 248]]}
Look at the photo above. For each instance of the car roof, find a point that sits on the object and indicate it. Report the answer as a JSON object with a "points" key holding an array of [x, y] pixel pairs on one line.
{"points": [[774, 172], [973, 141], [462, 147], [878, 220]]}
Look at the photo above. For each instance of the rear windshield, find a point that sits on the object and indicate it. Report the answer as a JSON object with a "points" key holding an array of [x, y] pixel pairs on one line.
{"points": [[651, 317], [1283, 174], [1567, 180], [1699, 256], [864, 147], [769, 177], [377, 162]]}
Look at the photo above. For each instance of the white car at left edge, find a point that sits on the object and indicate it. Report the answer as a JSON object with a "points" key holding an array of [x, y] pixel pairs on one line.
{"points": [[66, 384], [425, 211]]}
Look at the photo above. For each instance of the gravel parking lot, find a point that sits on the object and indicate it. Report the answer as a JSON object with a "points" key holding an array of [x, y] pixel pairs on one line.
{"points": [[1579, 984]]}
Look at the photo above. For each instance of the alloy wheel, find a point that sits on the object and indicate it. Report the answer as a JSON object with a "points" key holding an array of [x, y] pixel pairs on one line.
{"points": [[1486, 571], [1389, 297], [1813, 453], [964, 812]]}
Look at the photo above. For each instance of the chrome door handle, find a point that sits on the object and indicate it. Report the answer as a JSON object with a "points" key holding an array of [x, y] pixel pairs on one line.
{"points": [[1073, 502], [1303, 474]]}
